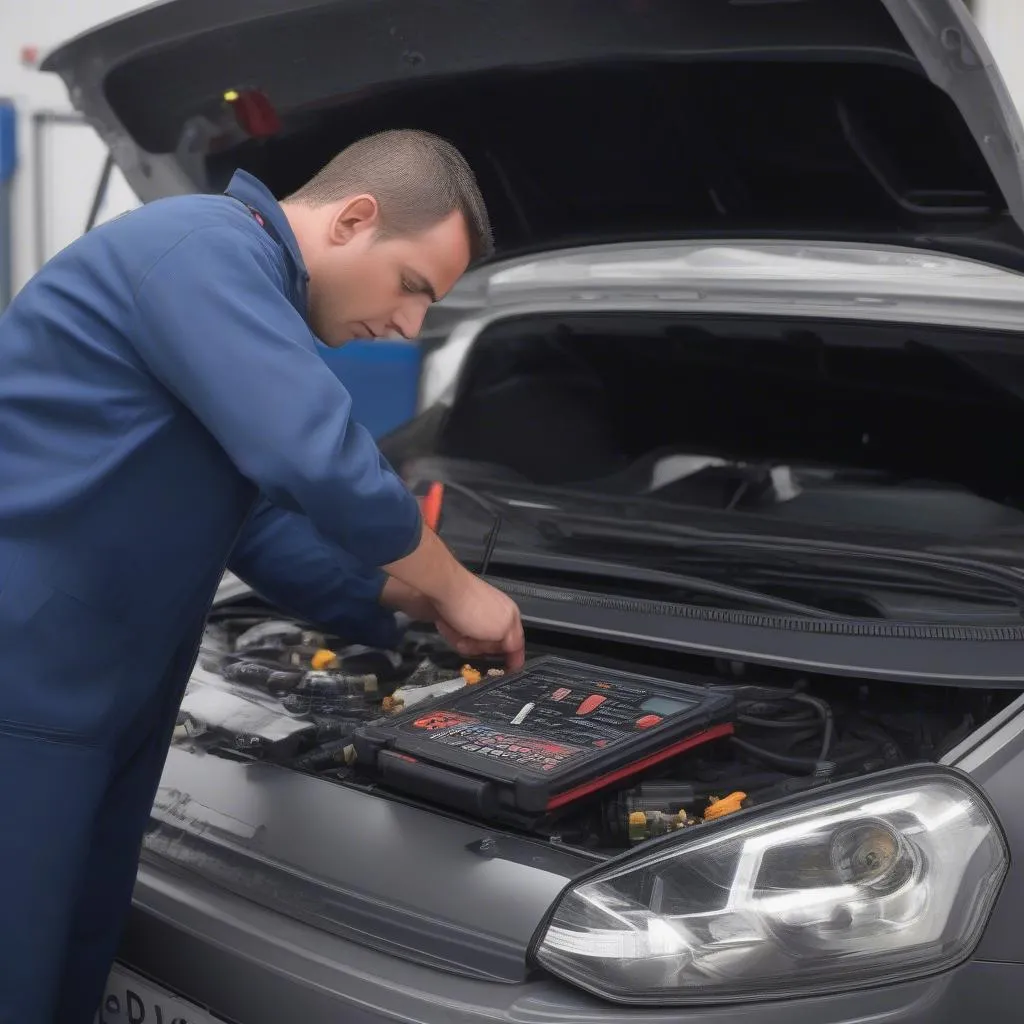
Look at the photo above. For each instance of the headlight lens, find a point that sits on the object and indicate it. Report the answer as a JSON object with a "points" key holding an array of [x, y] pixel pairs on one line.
{"points": [[876, 883]]}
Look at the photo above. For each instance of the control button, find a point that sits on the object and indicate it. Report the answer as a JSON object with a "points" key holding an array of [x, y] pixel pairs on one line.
{"points": [[647, 721], [594, 701]]}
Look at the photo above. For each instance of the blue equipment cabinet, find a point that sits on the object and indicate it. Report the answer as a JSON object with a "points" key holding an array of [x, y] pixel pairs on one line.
{"points": [[8, 165], [383, 379]]}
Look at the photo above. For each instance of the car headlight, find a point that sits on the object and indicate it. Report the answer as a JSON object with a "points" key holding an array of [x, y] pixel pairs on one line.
{"points": [[873, 881]]}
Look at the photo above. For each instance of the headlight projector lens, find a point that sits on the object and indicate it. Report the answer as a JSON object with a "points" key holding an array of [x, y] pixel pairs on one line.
{"points": [[873, 855]]}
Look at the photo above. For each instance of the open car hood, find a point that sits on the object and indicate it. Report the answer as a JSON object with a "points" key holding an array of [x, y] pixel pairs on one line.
{"points": [[588, 120]]}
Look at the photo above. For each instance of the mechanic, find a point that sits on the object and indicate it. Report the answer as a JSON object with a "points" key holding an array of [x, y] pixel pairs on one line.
{"points": [[164, 414]]}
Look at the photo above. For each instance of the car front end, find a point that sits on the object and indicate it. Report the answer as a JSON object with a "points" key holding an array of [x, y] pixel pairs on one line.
{"points": [[732, 407]]}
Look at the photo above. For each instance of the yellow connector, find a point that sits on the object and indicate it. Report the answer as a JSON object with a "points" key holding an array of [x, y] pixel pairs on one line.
{"points": [[324, 659]]}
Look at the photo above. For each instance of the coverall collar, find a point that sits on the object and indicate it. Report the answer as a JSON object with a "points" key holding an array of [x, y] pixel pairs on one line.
{"points": [[248, 189]]}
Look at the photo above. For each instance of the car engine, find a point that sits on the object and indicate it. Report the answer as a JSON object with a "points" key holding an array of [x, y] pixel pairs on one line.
{"points": [[274, 689]]}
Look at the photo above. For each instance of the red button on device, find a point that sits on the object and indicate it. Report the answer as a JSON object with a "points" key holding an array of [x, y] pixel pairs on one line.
{"points": [[647, 721], [595, 700]]}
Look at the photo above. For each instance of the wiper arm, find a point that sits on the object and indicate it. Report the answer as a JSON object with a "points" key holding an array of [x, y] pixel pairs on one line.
{"points": [[914, 571], [893, 564], [578, 565]]}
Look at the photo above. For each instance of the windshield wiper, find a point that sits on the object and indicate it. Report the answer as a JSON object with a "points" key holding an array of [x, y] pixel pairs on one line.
{"points": [[632, 573], [878, 565], [579, 565], [772, 561]]}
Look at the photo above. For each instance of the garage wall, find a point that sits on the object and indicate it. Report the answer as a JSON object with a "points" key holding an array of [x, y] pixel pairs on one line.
{"points": [[74, 154], [1002, 24]]}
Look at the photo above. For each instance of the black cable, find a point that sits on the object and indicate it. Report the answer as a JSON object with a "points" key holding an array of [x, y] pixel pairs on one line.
{"points": [[491, 508], [767, 694], [738, 494], [796, 764], [820, 708], [825, 712], [488, 505], [878, 736], [798, 739], [777, 723], [805, 764], [492, 540]]}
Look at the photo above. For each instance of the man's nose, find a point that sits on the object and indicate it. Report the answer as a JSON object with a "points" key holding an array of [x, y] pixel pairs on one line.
{"points": [[408, 320]]}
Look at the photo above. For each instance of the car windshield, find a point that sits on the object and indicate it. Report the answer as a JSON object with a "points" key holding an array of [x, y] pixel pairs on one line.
{"points": [[767, 456]]}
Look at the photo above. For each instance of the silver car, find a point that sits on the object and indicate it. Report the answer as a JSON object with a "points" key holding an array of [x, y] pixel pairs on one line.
{"points": [[735, 407]]}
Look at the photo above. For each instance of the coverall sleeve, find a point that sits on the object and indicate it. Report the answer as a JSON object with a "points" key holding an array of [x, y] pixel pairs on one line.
{"points": [[215, 327], [283, 558]]}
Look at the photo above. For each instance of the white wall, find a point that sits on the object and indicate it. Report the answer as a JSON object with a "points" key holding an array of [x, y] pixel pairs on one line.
{"points": [[74, 153], [1002, 24], [74, 156]]}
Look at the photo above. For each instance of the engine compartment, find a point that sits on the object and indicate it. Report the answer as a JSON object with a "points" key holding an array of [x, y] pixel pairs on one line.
{"points": [[273, 689]]}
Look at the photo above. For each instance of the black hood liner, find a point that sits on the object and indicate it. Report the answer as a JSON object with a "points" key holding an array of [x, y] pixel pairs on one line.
{"points": [[737, 148], [590, 120]]}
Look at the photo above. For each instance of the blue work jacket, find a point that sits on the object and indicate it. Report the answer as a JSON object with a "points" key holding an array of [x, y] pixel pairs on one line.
{"points": [[164, 414]]}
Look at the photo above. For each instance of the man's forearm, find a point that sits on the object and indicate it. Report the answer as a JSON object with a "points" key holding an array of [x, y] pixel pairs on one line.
{"points": [[431, 569], [472, 616], [396, 594], [400, 597]]}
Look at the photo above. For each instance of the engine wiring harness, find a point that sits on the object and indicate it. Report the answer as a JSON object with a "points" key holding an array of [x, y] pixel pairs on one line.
{"points": [[273, 689]]}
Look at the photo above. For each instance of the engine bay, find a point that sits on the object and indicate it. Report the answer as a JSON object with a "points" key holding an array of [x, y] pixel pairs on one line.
{"points": [[273, 689]]}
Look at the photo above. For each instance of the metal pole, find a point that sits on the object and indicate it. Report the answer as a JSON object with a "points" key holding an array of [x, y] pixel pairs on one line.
{"points": [[101, 191], [8, 166], [38, 190], [41, 119]]}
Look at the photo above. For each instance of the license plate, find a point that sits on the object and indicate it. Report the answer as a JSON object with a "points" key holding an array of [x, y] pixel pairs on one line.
{"points": [[129, 999]]}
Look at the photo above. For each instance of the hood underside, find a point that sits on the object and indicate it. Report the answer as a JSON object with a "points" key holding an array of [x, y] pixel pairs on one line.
{"points": [[588, 120]]}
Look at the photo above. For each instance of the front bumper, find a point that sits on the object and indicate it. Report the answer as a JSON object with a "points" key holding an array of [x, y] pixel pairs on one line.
{"points": [[252, 966]]}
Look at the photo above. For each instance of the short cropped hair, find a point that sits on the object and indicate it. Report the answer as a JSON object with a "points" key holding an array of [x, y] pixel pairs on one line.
{"points": [[418, 180]]}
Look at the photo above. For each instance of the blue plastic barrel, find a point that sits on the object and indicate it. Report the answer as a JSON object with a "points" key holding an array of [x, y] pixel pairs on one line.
{"points": [[383, 379]]}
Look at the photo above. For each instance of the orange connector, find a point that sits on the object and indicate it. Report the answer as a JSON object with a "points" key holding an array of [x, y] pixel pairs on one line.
{"points": [[727, 805], [431, 504], [323, 659]]}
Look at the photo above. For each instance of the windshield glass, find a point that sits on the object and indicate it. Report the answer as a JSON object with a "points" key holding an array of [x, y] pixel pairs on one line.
{"points": [[608, 437]]}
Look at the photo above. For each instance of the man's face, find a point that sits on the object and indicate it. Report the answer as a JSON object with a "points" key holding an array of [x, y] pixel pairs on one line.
{"points": [[365, 286]]}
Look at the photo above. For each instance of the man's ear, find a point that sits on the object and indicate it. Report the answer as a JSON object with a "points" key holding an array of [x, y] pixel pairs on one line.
{"points": [[360, 213]]}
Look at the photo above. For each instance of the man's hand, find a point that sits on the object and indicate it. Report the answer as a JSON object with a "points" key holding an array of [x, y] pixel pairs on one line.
{"points": [[479, 621], [471, 615]]}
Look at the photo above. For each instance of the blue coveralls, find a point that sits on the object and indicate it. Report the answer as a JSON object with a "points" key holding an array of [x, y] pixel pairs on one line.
{"points": [[163, 414]]}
